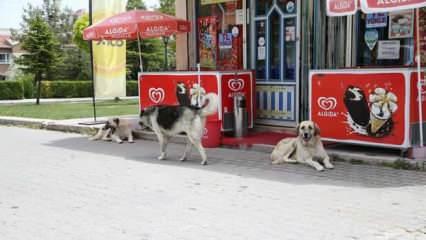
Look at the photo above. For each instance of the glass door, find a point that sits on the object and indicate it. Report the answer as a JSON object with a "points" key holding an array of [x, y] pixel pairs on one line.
{"points": [[275, 43]]}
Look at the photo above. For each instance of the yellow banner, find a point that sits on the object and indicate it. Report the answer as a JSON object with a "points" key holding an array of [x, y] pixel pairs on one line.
{"points": [[109, 57]]}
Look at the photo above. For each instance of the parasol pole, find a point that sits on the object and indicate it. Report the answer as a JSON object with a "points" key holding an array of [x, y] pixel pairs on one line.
{"points": [[140, 54], [165, 41], [419, 79], [95, 121], [199, 84]]}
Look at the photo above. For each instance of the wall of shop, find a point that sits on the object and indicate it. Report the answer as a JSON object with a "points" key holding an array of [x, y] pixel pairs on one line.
{"points": [[324, 42]]}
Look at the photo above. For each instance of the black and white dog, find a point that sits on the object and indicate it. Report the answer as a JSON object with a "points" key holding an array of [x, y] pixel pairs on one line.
{"points": [[168, 121]]}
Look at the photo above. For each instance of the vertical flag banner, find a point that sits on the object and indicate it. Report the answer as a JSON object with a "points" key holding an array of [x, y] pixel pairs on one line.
{"points": [[109, 56]]}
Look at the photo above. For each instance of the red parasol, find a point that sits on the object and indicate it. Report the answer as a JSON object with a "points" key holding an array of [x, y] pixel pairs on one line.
{"points": [[127, 25], [137, 24]]}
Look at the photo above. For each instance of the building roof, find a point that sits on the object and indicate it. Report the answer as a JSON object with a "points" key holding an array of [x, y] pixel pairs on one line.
{"points": [[5, 41]]}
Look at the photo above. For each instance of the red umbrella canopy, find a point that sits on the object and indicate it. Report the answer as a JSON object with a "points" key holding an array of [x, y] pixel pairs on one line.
{"points": [[127, 25]]}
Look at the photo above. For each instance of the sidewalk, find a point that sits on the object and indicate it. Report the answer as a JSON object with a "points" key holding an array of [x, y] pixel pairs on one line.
{"points": [[59, 100], [352, 154], [56, 185]]}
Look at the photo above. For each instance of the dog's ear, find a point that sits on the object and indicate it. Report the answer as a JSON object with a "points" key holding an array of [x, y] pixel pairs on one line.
{"points": [[297, 128], [317, 130], [117, 121]]}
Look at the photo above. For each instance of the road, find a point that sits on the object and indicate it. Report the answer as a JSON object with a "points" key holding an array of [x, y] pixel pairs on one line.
{"points": [[56, 185]]}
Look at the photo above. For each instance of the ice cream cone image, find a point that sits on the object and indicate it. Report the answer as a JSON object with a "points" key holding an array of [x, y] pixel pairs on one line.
{"points": [[383, 105], [376, 124]]}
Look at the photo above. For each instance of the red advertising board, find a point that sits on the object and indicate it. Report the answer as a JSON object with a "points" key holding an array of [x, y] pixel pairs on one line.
{"points": [[361, 107], [341, 7], [414, 116], [240, 84], [160, 89], [373, 6]]}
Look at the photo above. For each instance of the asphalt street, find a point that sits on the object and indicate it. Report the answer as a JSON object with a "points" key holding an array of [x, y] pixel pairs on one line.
{"points": [[56, 185]]}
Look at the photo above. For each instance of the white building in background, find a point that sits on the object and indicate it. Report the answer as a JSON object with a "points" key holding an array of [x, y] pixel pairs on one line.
{"points": [[9, 50]]}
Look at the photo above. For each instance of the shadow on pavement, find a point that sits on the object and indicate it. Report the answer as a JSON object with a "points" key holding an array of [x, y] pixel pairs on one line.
{"points": [[251, 164]]}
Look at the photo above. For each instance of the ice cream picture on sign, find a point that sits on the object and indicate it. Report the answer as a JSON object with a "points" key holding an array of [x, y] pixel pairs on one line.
{"points": [[372, 116], [383, 105]]}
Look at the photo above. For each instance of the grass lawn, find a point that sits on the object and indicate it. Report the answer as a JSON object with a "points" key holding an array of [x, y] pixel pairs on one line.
{"points": [[70, 110]]}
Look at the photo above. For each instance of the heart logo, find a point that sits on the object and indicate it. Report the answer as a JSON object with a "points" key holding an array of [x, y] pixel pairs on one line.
{"points": [[156, 95], [236, 84], [327, 103]]}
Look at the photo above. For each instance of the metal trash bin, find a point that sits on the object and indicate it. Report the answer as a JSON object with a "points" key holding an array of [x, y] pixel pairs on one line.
{"points": [[240, 116]]}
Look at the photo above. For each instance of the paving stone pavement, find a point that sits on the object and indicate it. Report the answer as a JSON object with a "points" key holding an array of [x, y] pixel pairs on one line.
{"points": [[56, 185]]}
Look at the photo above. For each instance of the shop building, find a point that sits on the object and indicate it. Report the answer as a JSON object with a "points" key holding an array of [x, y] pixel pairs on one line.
{"points": [[283, 41]]}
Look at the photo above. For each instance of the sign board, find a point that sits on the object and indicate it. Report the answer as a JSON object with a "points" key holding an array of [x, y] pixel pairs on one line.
{"points": [[388, 49], [341, 7], [160, 89], [375, 6], [376, 20], [361, 107], [401, 24]]}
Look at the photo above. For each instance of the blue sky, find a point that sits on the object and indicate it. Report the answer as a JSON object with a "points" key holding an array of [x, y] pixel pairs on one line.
{"points": [[11, 10]]}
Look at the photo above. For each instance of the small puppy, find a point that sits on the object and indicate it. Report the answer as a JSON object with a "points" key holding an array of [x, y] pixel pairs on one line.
{"points": [[303, 148], [115, 129]]}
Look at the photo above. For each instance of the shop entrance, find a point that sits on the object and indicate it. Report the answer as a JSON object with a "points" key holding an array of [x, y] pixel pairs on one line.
{"points": [[275, 44]]}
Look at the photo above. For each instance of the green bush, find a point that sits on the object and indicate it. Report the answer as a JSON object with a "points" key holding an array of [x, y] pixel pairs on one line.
{"points": [[132, 88], [28, 83], [23, 88], [28, 87], [11, 90], [74, 89], [66, 89]]}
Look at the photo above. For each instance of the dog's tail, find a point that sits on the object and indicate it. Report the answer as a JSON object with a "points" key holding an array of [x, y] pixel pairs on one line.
{"points": [[212, 101]]}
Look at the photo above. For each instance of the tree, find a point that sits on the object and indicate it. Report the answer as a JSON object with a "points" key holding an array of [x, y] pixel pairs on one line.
{"points": [[51, 13], [41, 50], [135, 4], [167, 7], [67, 18], [151, 49], [79, 25]]}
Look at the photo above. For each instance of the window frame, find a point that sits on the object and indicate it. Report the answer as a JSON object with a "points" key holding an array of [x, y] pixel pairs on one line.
{"points": [[7, 58]]}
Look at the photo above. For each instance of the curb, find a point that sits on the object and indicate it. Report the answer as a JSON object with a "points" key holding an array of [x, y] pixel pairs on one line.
{"points": [[336, 155], [46, 124]]}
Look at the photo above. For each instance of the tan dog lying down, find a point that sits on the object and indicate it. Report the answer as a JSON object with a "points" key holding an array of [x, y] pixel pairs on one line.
{"points": [[303, 148], [115, 129]]}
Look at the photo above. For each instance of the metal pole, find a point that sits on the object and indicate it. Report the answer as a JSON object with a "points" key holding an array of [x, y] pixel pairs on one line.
{"points": [[419, 79], [91, 64], [166, 41], [140, 54]]}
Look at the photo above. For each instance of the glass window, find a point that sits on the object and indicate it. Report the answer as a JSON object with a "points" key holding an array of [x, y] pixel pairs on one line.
{"points": [[260, 49], [4, 58], [290, 49], [275, 47], [220, 35], [385, 39], [263, 7]]}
